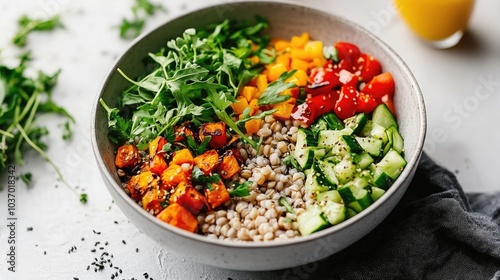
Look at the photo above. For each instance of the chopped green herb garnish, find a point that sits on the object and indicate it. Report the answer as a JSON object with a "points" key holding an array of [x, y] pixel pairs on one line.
{"points": [[131, 28], [198, 177], [26, 178], [28, 25], [240, 190], [284, 202], [271, 93], [83, 198]]}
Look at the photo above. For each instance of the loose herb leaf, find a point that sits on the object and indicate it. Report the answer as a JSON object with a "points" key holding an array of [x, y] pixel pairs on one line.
{"points": [[67, 132], [284, 202], [199, 177], [330, 52], [26, 178], [28, 25], [131, 28], [240, 190], [271, 93], [291, 161], [83, 198]]}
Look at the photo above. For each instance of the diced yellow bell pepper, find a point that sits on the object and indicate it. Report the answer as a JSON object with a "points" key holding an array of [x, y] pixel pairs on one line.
{"points": [[281, 45], [253, 107], [297, 53], [240, 105], [299, 78], [253, 126], [261, 83], [283, 59], [248, 92], [299, 41], [314, 49], [284, 109], [275, 70], [254, 59], [317, 62], [299, 64]]}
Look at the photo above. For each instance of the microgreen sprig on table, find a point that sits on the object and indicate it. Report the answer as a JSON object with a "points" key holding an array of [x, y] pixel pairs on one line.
{"points": [[28, 25], [196, 78], [23, 101], [131, 28]]}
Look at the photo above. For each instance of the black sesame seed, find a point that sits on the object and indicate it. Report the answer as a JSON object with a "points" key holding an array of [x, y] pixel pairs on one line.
{"points": [[29, 228], [137, 250], [93, 250], [116, 222], [106, 243], [123, 241], [88, 267]]}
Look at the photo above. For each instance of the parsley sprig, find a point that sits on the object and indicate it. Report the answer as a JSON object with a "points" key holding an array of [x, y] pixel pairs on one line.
{"points": [[27, 25], [141, 10]]}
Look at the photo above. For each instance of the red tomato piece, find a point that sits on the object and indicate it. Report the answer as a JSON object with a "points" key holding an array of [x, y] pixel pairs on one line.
{"points": [[366, 103], [389, 101], [347, 78], [368, 67], [380, 85], [305, 112], [322, 80], [345, 106], [348, 54], [324, 103]]}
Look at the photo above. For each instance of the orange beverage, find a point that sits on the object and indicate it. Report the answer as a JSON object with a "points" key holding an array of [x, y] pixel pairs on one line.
{"points": [[436, 20]]}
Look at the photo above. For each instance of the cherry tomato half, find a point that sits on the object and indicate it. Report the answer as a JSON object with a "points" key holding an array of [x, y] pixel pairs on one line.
{"points": [[380, 85], [368, 67], [346, 104]]}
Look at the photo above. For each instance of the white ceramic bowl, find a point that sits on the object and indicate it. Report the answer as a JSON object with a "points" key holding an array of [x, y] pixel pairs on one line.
{"points": [[286, 19]]}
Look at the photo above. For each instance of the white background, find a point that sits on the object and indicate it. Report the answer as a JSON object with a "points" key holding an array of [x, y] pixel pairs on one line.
{"points": [[463, 131]]}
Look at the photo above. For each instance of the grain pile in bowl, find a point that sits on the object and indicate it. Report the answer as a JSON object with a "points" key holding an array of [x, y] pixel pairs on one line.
{"points": [[235, 135], [260, 215]]}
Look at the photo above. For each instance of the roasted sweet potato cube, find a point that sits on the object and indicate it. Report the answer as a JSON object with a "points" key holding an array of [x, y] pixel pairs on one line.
{"points": [[187, 196], [152, 199], [181, 132], [156, 145], [217, 131], [217, 194], [176, 215], [229, 165], [158, 164], [172, 176], [182, 156], [127, 157], [208, 161], [139, 184]]}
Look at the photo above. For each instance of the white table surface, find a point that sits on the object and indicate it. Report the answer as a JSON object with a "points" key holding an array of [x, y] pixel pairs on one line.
{"points": [[461, 88]]}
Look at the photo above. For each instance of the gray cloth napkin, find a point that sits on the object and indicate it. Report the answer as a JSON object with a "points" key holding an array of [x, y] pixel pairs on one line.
{"points": [[436, 232]]}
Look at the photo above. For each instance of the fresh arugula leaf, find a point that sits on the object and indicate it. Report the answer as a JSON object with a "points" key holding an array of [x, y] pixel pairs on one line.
{"points": [[240, 190], [28, 25], [271, 93]]}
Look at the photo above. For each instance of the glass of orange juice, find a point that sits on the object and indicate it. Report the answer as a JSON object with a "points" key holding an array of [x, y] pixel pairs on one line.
{"points": [[440, 22]]}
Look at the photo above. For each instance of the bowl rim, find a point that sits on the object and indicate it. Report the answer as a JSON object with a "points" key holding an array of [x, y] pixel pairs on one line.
{"points": [[411, 163]]}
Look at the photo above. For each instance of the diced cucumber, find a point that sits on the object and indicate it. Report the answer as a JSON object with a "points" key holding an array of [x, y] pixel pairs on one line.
{"points": [[396, 139], [370, 145], [346, 194], [315, 183], [331, 195], [356, 122], [303, 153], [334, 212], [378, 132], [311, 220], [382, 116], [345, 171], [350, 213], [319, 125], [381, 179], [328, 138], [367, 129], [333, 122], [364, 160], [357, 183], [376, 193], [328, 172], [392, 164], [353, 145], [319, 153], [355, 198]]}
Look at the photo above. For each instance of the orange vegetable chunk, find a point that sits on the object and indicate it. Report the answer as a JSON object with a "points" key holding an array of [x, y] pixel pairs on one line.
{"points": [[217, 131], [172, 176], [229, 165], [239, 105], [208, 161], [158, 164], [156, 145], [217, 195], [253, 126], [182, 156], [127, 156], [187, 196], [151, 201], [176, 215]]}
